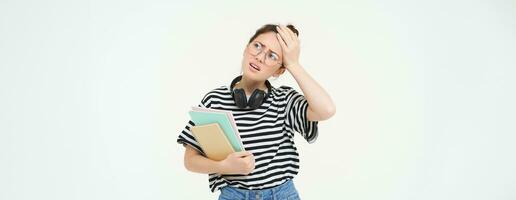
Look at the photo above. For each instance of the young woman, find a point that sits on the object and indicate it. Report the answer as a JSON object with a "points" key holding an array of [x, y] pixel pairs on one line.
{"points": [[266, 118]]}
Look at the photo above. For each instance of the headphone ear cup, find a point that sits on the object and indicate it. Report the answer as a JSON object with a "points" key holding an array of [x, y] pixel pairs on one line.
{"points": [[240, 98], [256, 99]]}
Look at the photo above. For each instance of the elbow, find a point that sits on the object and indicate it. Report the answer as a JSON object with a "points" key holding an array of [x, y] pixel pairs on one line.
{"points": [[330, 111], [322, 115], [189, 158], [186, 165], [333, 110]]}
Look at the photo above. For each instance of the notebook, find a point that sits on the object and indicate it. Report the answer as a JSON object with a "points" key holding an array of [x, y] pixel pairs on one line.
{"points": [[212, 140], [229, 115], [203, 116]]}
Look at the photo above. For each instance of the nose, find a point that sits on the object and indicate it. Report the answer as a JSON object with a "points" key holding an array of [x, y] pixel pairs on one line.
{"points": [[259, 57]]}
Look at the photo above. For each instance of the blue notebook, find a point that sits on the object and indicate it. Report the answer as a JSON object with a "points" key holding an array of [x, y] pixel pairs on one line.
{"points": [[203, 116]]}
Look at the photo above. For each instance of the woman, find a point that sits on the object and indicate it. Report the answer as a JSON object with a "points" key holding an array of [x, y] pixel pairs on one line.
{"points": [[266, 117]]}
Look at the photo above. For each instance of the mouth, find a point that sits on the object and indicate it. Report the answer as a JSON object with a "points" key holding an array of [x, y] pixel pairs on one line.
{"points": [[255, 67]]}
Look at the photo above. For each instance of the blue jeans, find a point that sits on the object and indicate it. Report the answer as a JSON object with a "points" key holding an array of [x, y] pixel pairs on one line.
{"points": [[285, 191]]}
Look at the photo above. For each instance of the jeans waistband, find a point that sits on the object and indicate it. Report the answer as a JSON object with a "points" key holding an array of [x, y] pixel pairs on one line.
{"points": [[283, 189]]}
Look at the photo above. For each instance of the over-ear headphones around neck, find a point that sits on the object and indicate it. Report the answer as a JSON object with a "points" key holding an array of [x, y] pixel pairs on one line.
{"points": [[255, 100]]}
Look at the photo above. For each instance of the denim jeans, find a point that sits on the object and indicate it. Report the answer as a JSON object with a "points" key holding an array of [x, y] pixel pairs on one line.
{"points": [[285, 191]]}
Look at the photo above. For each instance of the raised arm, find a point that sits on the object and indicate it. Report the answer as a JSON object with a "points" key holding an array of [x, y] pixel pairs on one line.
{"points": [[320, 105]]}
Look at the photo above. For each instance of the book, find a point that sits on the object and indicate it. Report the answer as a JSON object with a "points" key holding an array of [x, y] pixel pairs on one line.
{"points": [[213, 141], [203, 116]]}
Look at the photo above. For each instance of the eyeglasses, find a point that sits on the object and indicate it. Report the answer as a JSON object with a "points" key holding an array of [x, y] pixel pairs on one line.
{"points": [[271, 58]]}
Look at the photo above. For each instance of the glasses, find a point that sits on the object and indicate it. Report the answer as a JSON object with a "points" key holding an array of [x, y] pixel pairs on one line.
{"points": [[271, 58]]}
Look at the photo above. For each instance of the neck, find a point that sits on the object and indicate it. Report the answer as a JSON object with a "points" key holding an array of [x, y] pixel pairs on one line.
{"points": [[250, 85]]}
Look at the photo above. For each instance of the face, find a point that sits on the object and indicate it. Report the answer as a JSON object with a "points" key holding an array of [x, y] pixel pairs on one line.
{"points": [[270, 50]]}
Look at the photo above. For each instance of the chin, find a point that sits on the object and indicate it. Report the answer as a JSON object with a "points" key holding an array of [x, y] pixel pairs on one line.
{"points": [[252, 76]]}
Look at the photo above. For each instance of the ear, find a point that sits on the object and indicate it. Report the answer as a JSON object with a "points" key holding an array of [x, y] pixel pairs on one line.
{"points": [[279, 72]]}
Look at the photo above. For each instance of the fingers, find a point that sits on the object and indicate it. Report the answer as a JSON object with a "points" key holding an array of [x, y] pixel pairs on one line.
{"points": [[287, 36], [284, 35], [283, 31], [282, 43], [293, 36], [242, 153], [250, 161]]}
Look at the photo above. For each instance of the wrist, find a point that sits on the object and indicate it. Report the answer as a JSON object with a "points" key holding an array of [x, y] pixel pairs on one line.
{"points": [[293, 67], [220, 167], [291, 64]]}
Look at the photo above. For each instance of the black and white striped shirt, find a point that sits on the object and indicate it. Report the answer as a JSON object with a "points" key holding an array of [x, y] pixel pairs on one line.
{"points": [[267, 132]]}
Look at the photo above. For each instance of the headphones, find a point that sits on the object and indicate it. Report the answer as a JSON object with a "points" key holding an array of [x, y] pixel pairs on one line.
{"points": [[255, 100]]}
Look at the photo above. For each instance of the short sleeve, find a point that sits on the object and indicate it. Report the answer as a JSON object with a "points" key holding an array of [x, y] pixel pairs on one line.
{"points": [[296, 118], [186, 137]]}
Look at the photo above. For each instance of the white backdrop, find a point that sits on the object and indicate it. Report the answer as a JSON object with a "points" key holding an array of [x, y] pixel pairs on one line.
{"points": [[93, 95]]}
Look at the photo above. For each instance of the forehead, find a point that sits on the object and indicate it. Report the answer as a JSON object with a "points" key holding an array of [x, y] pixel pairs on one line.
{"points": [[270, 41]]}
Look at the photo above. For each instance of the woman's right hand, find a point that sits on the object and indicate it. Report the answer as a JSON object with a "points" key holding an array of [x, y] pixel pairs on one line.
{"points": [[238, 163]]}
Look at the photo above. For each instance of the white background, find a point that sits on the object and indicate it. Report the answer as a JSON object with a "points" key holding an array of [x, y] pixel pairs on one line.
{"points": [[93, 95]]}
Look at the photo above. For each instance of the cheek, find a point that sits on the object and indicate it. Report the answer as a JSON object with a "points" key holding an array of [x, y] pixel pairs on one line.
{"points": [[244, 63], [244, 60], [272, 70]]}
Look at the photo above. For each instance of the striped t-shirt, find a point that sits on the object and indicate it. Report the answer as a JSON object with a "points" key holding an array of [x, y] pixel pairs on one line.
{"points": [[267, 132]]}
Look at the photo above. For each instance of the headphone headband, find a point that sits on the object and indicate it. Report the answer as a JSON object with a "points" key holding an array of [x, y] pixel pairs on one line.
{"points": [[238, 78], [255, 100]]}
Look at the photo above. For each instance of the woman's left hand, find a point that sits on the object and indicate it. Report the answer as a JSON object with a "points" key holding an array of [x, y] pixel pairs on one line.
{"points": [[290, 46]]}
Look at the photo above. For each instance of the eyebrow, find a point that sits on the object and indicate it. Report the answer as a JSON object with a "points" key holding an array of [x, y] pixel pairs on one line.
{"points": [[269, 49]]}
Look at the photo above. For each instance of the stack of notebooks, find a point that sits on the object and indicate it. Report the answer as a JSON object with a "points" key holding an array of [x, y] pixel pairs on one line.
{"points": [[216, 132]]}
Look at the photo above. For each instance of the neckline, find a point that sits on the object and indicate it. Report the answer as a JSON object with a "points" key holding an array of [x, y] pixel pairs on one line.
{"points": [[228, 88]]}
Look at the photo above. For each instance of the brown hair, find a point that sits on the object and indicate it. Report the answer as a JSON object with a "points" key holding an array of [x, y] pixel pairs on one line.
{"points": [[271, 28]]}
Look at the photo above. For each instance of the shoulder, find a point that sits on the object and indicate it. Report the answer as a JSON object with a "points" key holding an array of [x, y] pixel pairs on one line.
{"points": [[286, 91], [283, 90], [217, 92], [223, 89]]}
